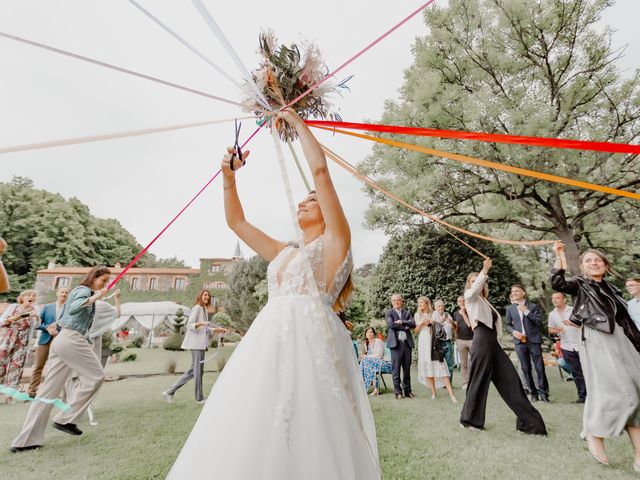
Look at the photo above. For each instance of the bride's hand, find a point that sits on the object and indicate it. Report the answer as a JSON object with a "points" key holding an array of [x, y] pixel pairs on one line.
{"points": [[290, 116], [237, 163]]}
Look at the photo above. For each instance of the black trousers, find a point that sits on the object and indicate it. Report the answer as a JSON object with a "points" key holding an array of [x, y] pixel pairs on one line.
{"points": [[532, 352], [573, 359], [401, 360], [489, 363]]}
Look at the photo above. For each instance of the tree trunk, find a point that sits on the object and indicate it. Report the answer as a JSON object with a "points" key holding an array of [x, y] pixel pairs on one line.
{"points": [[572, 252]]}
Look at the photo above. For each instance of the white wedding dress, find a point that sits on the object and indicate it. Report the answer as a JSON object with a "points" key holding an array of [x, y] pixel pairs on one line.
{"points": [[290, 404]]}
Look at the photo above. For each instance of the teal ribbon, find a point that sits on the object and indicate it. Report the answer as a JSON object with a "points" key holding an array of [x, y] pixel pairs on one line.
{"points": [[24, 397]]}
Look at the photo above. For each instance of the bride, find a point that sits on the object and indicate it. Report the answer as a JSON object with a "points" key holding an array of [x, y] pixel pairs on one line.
{"points": [[290, 402]]}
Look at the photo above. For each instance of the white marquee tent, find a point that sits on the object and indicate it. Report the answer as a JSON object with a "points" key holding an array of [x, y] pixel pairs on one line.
{"points": [[149, 314]]}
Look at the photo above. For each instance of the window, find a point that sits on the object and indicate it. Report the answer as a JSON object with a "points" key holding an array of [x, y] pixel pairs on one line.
{"points": [[215, 268], [180, 283], [220, 285], [207, 285], [153, 283], [62, 282], [135, 283]]}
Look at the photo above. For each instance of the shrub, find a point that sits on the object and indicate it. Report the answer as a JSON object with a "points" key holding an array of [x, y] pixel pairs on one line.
{"points": [[129, 357], [107, 340], [222, 361], [171, 366], [173, 342], [136, 342], [222, 318], [231, 337], [117, 348], [213, 343]]}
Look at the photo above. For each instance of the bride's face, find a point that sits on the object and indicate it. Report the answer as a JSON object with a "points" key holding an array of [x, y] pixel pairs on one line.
{"points": [[309, 212]]}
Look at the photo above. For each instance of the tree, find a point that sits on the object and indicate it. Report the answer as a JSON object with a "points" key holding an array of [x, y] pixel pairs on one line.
{"points": [[40, 226], [535, 68], [421, 261], [243, 301]]}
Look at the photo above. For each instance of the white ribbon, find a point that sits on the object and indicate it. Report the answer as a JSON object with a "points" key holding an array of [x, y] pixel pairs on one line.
{"points": [[186, 44], [114, 67], [231, 52], [110, 136]]}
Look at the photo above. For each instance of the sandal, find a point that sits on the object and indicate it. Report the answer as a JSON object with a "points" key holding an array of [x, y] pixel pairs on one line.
{"points": [[600, 456]]}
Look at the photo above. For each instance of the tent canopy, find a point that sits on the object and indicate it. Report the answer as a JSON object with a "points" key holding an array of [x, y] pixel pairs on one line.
{"points": [[149, 314]]}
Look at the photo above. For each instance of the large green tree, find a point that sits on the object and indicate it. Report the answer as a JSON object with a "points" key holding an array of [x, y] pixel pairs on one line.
{"points": [[247, 292], [525, 67], [422, 261], [40, 226]]}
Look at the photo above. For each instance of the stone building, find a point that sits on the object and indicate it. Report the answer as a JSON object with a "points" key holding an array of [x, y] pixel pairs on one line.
{"points": [[180, 285]]}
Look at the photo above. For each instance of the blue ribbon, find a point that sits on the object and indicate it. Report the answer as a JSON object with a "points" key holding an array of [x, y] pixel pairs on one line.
{"points": [[24, 397]]}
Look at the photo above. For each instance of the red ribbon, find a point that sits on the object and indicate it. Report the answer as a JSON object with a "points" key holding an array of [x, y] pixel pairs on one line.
{"points": [[485, 137]]}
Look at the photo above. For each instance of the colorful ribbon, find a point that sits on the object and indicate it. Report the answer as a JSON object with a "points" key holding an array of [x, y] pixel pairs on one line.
{"points": [[493, 165], [364, 50], [24, 397], [484, 137], [362, 177], [145, 249]]}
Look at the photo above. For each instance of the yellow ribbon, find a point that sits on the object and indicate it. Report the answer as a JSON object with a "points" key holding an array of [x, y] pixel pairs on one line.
{"points": [[486, 163]]}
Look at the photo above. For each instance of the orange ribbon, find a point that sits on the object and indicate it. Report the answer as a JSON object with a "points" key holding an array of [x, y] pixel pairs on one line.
{"points": [[362, 177], [486, 163]]}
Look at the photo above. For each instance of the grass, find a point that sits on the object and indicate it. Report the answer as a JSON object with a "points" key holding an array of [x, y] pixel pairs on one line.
{"points": [[154, 361], [139, 436]]}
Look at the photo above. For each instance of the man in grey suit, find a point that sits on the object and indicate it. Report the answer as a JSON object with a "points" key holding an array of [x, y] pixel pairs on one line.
{"points": [[400, 342]]}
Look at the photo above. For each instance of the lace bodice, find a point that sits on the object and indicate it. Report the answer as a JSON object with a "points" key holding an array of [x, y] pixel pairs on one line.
{"points": [[287, 276]]}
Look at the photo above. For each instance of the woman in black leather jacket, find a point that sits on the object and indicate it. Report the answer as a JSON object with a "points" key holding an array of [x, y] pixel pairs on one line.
{"points": [[608, 352]]}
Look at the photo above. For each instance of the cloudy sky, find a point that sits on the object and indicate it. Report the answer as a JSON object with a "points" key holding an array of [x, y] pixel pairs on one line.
{"points": [[144, 181]]}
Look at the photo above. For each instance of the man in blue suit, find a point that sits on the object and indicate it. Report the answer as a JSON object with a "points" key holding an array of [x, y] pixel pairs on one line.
{"points": [[51, 312], [524, 322], [400, 342]]}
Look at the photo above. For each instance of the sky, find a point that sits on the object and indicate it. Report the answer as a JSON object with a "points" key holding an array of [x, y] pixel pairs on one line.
{"points": [[144, 181]]}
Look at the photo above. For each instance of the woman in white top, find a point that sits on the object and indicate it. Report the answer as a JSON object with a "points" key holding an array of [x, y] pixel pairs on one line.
{"points": [[490, 364], [430, 355], [196, 339]]}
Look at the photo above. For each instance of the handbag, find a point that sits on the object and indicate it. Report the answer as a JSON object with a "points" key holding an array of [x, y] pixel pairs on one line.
{"points": [[438, 339]]}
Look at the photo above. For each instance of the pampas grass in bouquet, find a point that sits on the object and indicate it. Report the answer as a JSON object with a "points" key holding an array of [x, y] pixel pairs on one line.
{"points": [[285, 73]]}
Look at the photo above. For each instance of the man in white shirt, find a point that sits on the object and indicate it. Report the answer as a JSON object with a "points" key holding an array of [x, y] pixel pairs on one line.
{"points": [[633, 287], [560, 324]]}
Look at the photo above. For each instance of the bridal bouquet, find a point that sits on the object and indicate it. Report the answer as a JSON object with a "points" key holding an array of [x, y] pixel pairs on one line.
{"points": [[284, 74]]}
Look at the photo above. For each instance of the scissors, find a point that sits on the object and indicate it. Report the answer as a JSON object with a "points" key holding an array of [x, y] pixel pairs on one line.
{"points": [[236, 146]]}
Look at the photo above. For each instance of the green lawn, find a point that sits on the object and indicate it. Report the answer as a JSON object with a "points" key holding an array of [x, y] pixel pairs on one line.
{"points": [[139, 436]]}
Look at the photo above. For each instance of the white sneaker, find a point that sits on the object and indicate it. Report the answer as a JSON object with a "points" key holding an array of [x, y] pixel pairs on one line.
{"points": [[167, 397]]}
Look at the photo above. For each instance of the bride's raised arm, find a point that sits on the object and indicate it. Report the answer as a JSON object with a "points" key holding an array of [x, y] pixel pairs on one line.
{"points": [[256, 239], [337, 232]]}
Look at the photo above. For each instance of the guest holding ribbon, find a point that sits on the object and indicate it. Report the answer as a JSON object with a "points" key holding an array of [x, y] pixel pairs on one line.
{"points": [[609, 346], [490, 364], [69, 352], [373, 361], [196, 340], [15, 324]]}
